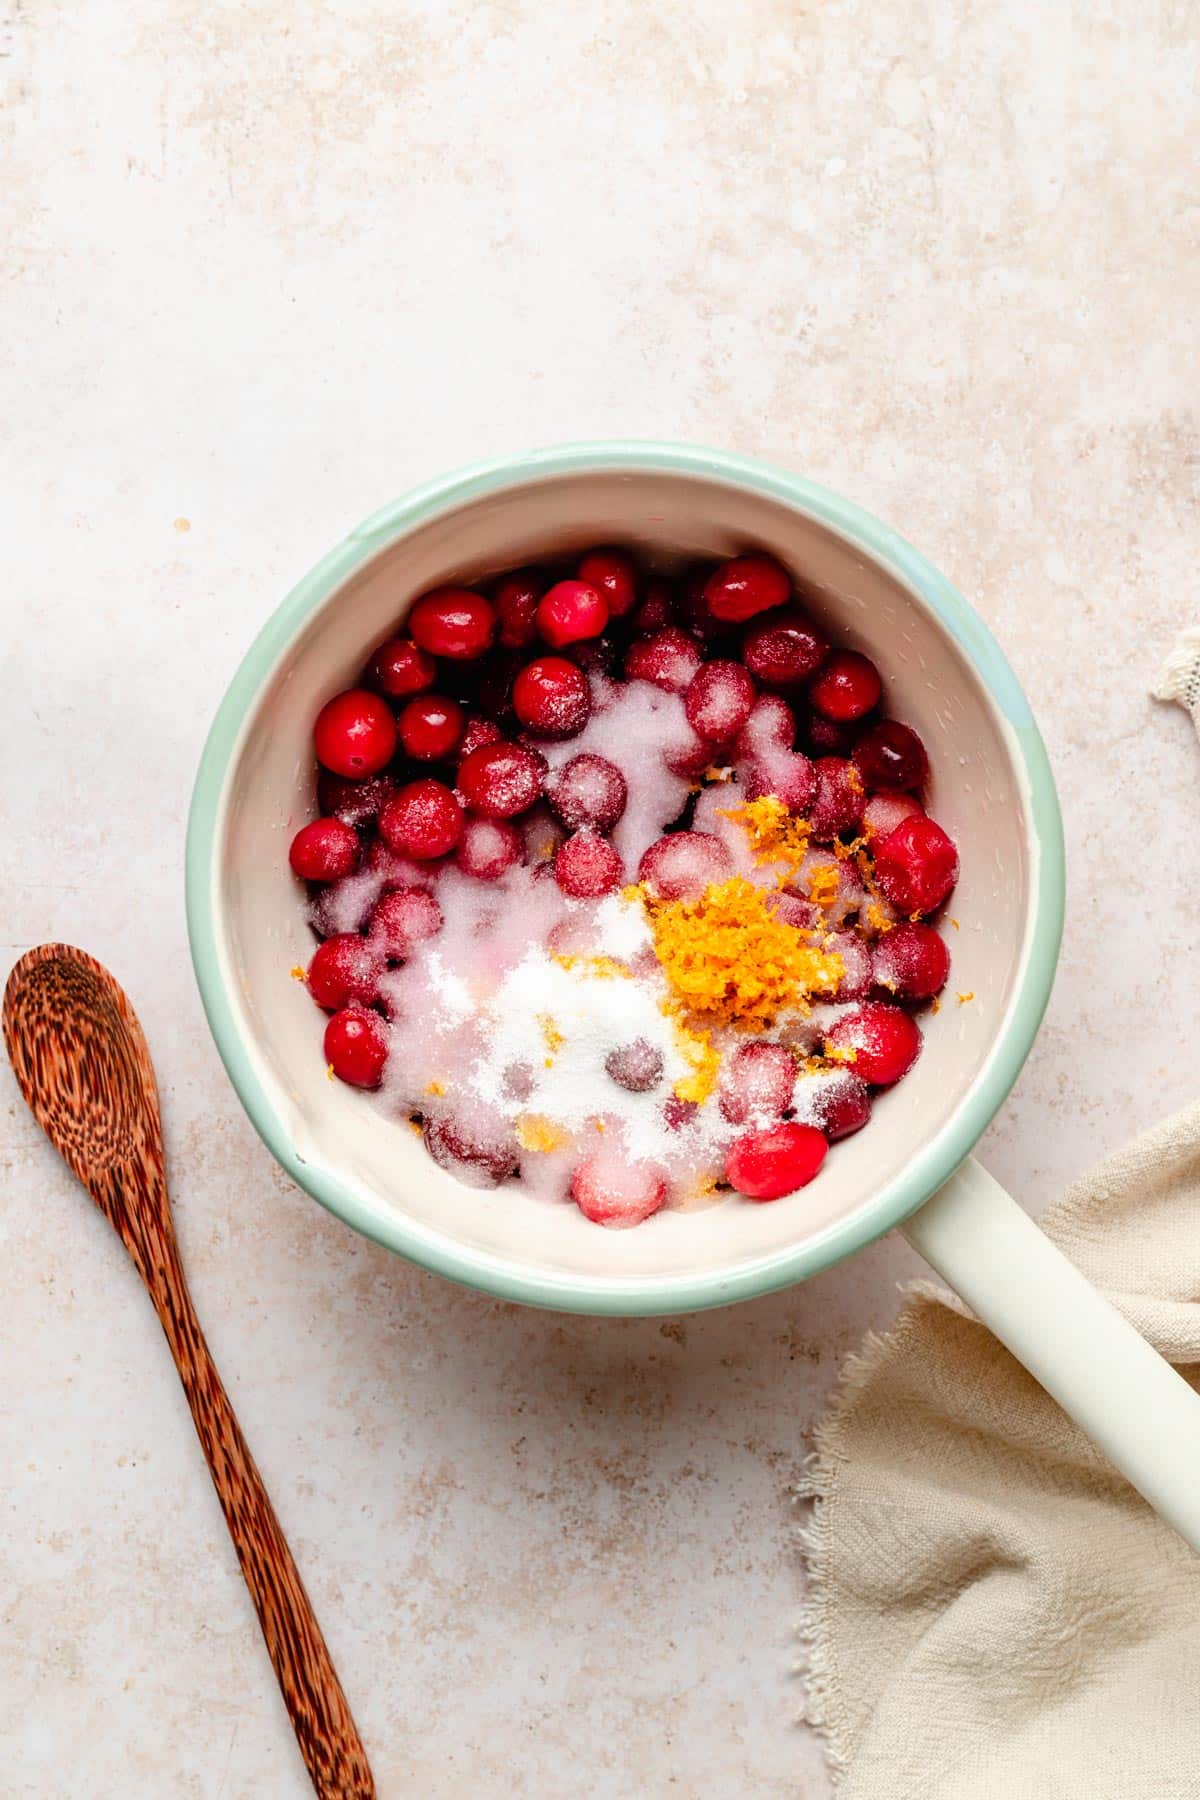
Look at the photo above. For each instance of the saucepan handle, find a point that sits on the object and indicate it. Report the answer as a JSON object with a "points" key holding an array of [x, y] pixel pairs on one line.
{"points": [[1130, 1401]]}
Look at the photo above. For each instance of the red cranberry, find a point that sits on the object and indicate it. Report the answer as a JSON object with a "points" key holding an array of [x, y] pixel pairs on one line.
{"points": [[489, 848], [838, 804], [405, 917], [688, 759], [501, 780], [832, 883], [637, 1067], [771, 726], [455, 622], [885, 1042], [430, 727], [401, 668], [791, 910], [828, 738], [784, 773], [587, 866], [858, 971], [570, 612], [355, 733], [765, 1165], [344, 968], [839, 1103], [475, 1150], [784, 648], [612, 574], [669, 659], [478, 733], [599, 656], [654, 611], [745, 586], [588, 790], [356, 1047], [757, 1082], [516, 601], [718, 701], [325, 850], [353, 802], [884, 812], [552, 698], [846, 688], [681, 865], [677, 1114], [610, 1191], [916, 865], [891, 755], [423, 821], [912, 962]]}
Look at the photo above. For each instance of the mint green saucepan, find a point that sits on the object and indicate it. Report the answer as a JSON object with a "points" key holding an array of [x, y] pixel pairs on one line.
{"points": [[992, 788]]}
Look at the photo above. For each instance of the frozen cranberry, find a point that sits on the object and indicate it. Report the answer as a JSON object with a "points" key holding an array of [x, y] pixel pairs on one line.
{"points": [[551, 697], [838, 1102], [596, 656], [355, 733], [800, 914], [655, 610], [765, 1165], [669, 659], [771, 726], [609, 1190], [477, 1150], [612, 574], [891, 755], [454, 622], [405, 917], [838, 802], [718, 701], [757, 1082], [912, 962], [745, 586], [430, 727], [846, 688], [885, 1042], [501, 780], [489, 848], [478, 732], [324, 850], [832, 883], [423, 821], [344, 968], [858, 971], [516, 601], [588, 790], [884, 812], [784, 773], [916, 865], [570, 612], [356, 1047], [401, 668], [677, 1114], [783, 649], [689, 757], [587, 866], [828, 738], [637, 1067], [681, 865], [354, 802]]}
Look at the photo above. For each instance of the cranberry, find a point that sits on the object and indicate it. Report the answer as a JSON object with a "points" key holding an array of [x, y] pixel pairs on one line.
{"points": [[353, 802], [745, 586], [501, 780], [654, 611], [355, 733], [405, 917], [786, 774], [891, 755], [612, 574], [356, 1047], [791, 910], [551, 697], [846, 688], [757, 1082], [678, 1113], [912, 962], [783, 649], [588, 790], [828, 738], [610, 1191], [401, 668], [454, 622], [570, 612], [637, 1067], [599, 656], [476, 1150], [771, 726], [344, 968], [430, 727], [839, 1103], [884, 1040], [670, 658], [587, 866], [718, 701], [489, 848], [423, 821], [325, 850], [693, 607], [478, 733], [838, 803], [831, 882], [681, 865], [688, 758], [765, 1165], [916, 865], [884, 812], [516, 601], [858, 970]]}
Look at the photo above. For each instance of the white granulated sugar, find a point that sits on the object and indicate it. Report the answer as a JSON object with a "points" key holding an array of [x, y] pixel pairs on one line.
{"points": [[621, 928]]}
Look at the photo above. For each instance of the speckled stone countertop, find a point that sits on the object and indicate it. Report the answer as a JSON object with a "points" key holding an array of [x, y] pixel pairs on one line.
{"points": [[263, 268]]}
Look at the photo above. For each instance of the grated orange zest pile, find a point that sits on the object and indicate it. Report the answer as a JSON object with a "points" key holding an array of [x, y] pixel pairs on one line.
{"points": [[776, 834], [696, 1048]]}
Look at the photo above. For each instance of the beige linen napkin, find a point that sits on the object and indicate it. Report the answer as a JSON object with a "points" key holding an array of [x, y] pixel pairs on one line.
{"points": [[995, 1614]]}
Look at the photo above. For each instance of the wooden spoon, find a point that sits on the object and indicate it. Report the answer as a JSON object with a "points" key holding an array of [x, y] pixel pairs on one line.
{"points": [[82, 1063]]}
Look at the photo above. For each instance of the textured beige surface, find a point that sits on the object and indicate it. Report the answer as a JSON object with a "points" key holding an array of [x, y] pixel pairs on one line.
{"points": [[265, 266]]}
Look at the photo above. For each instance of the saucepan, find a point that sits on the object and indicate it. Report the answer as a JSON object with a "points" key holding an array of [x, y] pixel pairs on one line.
{"points": [[911, 1168]]}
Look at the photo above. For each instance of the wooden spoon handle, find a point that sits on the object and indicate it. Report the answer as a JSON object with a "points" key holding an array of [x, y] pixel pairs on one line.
{"points": [[325, 1730]]}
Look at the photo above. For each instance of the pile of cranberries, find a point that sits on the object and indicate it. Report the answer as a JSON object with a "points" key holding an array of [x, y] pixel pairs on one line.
{"points": [[434, 757]]}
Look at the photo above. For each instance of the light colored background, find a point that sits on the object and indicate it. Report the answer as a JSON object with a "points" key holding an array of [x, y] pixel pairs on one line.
{"points": [[263, 266]]}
